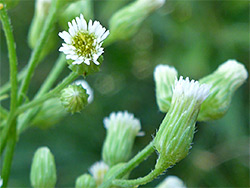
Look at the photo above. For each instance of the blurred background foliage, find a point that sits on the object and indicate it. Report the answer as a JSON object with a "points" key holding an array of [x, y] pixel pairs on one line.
{"points": [[193, 36]]}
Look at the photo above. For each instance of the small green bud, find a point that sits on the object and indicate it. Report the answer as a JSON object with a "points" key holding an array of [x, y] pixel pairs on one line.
{"points": [[74, 98], [224, 81], [122, 128], [50, 113], [43, 169], [85, 181], [98, 171], [73, 10], [164, 77], [41, 12], [126, 22], [173, 140], [171, 182]]}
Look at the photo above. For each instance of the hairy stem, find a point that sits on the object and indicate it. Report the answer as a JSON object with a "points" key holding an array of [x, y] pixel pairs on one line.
{"points": [[130, 165]]}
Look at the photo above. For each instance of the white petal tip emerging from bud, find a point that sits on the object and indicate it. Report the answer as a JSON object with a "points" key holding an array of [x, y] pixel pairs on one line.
{"points": [[234, 69], [172, 182], [98, 170], [164, 71], [190, 89], [1, 182], [124, 119], [88, 89]]}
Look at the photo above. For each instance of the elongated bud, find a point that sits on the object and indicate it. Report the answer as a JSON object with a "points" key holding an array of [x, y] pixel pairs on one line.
{"points": [[122, 128], [125, 23], [164, 77], [85, 181], [41, 12], [88, 89], [224, 81], [50, 114], [74, 98], [173, 140], [43, 169], [171, 182], [74, 9], [98, 171]]}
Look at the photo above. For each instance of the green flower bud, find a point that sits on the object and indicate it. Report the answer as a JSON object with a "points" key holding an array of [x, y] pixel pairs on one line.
{"points": [[41, 12], [224, 81], [171, 182], [125, 23], [74, 98], [98, 171], [43, 169], [164, 77], [85, 181], [74, 9], [50, 113], [173, 140], [122, 128]]}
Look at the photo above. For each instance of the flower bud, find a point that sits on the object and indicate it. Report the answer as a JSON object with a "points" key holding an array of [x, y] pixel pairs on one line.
{"points": [[85, 181], [122, 128], [173, 140], [125, 23], [41, 12], [74, 98], [224, 81], [171, 182], [88, 89], [50, 114], [43, 169], [164, 77], [98, 171], [74, 9]]}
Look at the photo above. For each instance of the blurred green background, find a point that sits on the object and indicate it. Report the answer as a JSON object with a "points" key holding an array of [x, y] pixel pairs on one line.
{"points": [[193, 36]]}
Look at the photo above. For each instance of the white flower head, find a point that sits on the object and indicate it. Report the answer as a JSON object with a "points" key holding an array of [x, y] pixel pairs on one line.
{"points": [[98, 171], [83, 42], [172, 182], [233, 70], [124, 120], [88, 89], [190, 89]]}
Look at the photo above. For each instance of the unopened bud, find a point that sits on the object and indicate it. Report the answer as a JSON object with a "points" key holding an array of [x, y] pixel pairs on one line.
{"points": [[43, 169], [126, 22], [74, 98], [85, 181], [173, 140], [171, 182], [122, 128], [164, 77], [224, 81], [98, 171]]}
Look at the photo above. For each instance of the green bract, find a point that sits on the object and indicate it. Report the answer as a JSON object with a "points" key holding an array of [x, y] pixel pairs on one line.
{"points": [[173, 140], [43, 169], [85, 181], [224, 81], [122, 129], [74, 98]]}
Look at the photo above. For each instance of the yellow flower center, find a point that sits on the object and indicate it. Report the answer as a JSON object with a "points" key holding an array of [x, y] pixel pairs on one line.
{"points": [[84, 44]]}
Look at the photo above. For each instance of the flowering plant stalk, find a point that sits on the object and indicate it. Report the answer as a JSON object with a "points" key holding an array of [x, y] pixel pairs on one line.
{"points": [[183, 101]]}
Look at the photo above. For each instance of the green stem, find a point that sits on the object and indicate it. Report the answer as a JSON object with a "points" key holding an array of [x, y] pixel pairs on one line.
{"points": [[9, 155], [50, 80], [130, 165], [49, 95], [38, 48], [140, 181]]}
